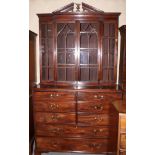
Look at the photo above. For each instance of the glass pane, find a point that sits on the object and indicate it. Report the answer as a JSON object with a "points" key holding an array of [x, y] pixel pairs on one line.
{"points": [[43, 45], [93, 41], [61, 41], [111, 60], [70, 74], [84, 74], [61, 58], [70, 41], [111, 74], [61, 50], [111, 44], [49, 30], [112, 29], [61, 74], [105, 60], [43, 30], [84, 41], [93, 57], [50, 73], [106, 29], [50, 59], [105, 75], [84, 58], [44, 74], [93, 74], [49, 44], [88, 27], [45, 59], [105, 45], [70, 58]]}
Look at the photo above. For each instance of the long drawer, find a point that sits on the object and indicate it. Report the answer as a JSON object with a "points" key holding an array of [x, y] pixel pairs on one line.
{"points": [[54, 106], [54, 96], [94, 119], [55, 118], [74, 131], [74, 145]]}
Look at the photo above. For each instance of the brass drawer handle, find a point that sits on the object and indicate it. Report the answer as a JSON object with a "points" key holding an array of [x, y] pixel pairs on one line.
{"points": [[57, 95], [98, 97], [54, 106], [51, 95], [95, 146], [54, 117], [98, 107], [101, 97], [54, 95], [95, 96], [57, 131], [97, 131], [98, 118]]}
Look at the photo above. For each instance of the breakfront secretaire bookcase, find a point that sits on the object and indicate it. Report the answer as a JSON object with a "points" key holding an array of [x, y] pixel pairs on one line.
{"points": [[78, 70]]}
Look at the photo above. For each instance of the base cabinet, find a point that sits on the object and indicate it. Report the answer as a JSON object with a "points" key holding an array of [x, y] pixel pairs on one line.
{"points": [[75, 121]]}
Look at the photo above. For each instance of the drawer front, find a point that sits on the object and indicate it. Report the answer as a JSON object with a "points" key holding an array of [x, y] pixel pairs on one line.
{"points": [[54, 96], [123, 141], [93, 119], [95, 107], [122, 152], [53, 118], [86, 96], [51, 106], [73, 131], [123, 122], [75, 145]]}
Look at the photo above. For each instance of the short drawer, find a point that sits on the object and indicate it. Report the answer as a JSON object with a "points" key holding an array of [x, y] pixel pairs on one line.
{"points": [[94, 107], [94, 119], [123, 122], [74, 131], [56, 96], [122, 152], [85, 96], [58, 118], [54, 106], [74, 145], [122, 141]]}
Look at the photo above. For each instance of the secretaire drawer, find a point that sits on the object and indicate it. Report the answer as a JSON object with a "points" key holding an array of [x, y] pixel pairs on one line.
{"points": [[93, 106], [75, 145], [60, 96], [66, 118], [52, 106], [94, 119], [73, 131]]}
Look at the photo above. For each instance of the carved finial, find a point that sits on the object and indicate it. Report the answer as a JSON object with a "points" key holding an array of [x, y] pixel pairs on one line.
{"points": [[77, 7]]}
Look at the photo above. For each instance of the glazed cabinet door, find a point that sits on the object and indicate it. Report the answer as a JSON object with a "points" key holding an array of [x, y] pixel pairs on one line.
{"points": [[65, 46], [109, 49], [46, 51], [88, 51]]}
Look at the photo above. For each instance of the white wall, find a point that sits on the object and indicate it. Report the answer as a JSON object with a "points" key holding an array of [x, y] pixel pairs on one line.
{"points": [[47, 6]]}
